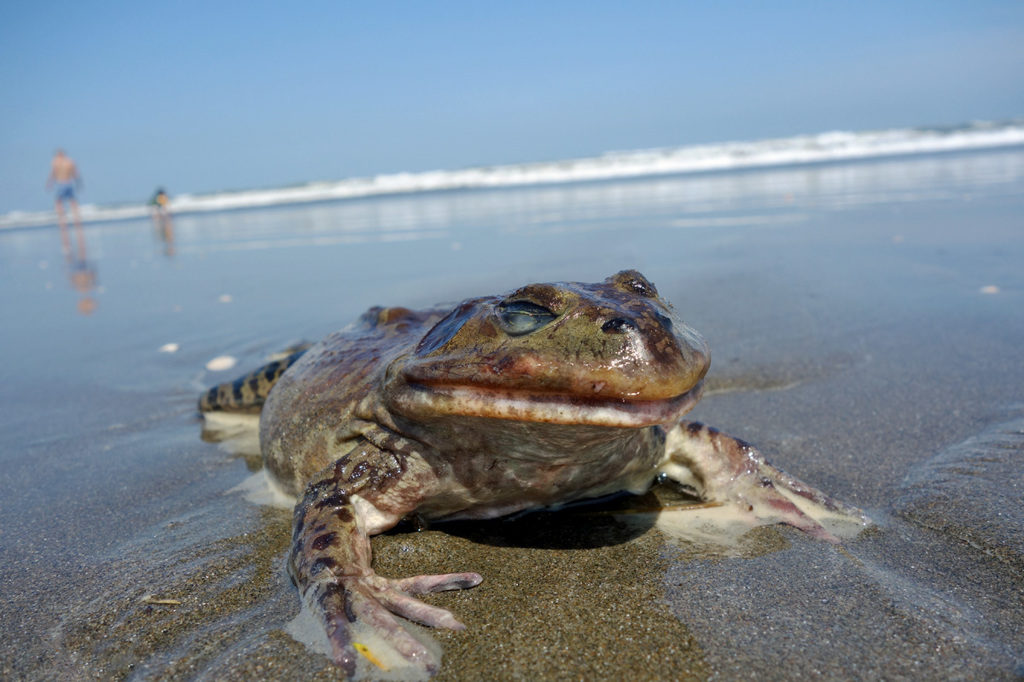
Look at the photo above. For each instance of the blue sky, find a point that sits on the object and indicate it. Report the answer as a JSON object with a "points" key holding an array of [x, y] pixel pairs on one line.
{"points": [[206, 96]]}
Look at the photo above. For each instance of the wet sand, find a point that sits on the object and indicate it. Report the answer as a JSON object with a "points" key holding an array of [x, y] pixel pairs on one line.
{"points": [[853, 340]]}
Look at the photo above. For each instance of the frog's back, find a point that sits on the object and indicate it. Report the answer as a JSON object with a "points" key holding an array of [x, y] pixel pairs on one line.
{"points": [[319, 407]]}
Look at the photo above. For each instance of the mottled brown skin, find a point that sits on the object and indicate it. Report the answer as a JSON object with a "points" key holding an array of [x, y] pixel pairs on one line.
{"points": [[246, 394], [552, 393]]}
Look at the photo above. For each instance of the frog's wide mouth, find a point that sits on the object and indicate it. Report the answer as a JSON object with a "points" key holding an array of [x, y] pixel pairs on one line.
{"points": [[439, 400]]}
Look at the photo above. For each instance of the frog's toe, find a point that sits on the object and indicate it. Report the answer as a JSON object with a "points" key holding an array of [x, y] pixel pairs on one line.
{"points": [[396, 600], [422, 584], [767, 502], [798, 504], [815, 498], [414, 609]]}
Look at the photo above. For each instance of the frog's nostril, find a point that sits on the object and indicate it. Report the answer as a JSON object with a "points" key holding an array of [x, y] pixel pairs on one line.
{"points": [[617, 325]]}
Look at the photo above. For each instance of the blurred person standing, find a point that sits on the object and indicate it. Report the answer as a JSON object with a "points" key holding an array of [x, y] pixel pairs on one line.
{"points": [[160, 207], [65, 179]]}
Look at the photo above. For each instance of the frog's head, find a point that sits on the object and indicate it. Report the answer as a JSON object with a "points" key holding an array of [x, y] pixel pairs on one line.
{"points": [[609, 354]]}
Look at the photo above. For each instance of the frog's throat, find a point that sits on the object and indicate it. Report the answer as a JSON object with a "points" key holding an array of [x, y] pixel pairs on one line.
{"points": [[425, 401]]}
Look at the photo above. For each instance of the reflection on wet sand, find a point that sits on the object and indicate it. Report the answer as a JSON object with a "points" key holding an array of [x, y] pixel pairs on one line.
{"points": [[164, 227], [80, 270], [82, 274]]}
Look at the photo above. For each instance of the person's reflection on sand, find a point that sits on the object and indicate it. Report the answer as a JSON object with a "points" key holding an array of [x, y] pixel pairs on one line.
{"points": [[82, 274], [159, 206]]}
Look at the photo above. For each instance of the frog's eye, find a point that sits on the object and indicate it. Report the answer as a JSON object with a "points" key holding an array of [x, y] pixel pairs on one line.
{"points": [[523, 317]]}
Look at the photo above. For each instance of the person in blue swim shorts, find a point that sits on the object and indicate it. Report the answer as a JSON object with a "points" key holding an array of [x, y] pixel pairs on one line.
{"points": [[65, 179]]}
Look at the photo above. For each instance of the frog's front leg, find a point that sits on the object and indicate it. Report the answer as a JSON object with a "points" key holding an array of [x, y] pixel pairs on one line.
{"points": [[362, 494], [726, 469]]}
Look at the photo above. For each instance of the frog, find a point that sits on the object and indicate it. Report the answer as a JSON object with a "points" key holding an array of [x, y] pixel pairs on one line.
{"points": [[541, 397]]}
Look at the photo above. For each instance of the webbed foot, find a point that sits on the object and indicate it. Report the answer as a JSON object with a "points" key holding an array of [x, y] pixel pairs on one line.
{"points": [[357, 615], [727, 469]]}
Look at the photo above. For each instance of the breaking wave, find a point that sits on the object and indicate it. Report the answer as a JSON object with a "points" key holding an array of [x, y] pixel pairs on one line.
{"points": [[803, 149]]}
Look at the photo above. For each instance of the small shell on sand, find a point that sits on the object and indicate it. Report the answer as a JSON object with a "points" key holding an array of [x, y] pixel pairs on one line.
{"points": [[221, 363], [169, 348]]}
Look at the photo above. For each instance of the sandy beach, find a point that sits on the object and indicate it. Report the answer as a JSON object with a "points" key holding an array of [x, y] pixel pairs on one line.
{"points": [[865, 321]]}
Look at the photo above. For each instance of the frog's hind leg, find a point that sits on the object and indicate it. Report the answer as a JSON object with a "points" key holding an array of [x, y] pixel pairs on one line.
{"points": [[246, 394], [726, 469]]}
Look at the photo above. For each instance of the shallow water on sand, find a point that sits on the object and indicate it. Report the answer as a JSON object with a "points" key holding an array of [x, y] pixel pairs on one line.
{"points": [[865, 322]]}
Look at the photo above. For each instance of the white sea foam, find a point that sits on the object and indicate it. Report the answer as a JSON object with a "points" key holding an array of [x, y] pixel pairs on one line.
{"points": [[804, 149]]}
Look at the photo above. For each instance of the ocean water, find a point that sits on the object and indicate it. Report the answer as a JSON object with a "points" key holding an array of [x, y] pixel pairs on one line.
{"points": [[771, 153], [865, 320]]}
